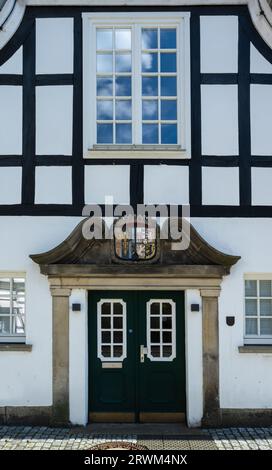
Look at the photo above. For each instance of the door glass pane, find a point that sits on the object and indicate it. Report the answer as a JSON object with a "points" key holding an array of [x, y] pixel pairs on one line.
{"points": [[161, 330], [112, 335]]}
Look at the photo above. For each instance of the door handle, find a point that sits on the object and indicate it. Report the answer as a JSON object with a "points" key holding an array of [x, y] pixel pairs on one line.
{"points": [[143, 351]]}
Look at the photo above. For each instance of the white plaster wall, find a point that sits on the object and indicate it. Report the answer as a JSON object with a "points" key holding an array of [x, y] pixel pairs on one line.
{"points": [[10, 185], [166, 184], [54, 45], [258, 64], [54, 118], [194, 368], [220, 186], [261, 186], [10, 120], [245, 379], [26, 378], [261, 105], [78, 357], [103, 181], [53, 185], [219, 44], [14, 64], [219, 113]]}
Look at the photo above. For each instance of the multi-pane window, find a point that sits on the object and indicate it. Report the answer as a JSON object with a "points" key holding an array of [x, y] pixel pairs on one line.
{"points": [[258, 310], [161, 330], [114, 86], [111, 330], [137, 84], [12, 309], [159, 85]]}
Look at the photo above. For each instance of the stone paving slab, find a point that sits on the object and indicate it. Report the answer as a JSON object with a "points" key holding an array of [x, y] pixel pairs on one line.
{"points": [[45, 438]]}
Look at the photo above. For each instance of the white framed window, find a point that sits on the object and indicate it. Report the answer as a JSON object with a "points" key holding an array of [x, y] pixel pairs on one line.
{"points": [[12, 308], [137, 85], [258, 309], [111, 330], [161, 329]]}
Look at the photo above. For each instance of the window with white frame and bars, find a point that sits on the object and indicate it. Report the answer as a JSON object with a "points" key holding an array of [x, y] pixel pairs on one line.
{"points": [[136, 83], [12, 309], [258, 311]]}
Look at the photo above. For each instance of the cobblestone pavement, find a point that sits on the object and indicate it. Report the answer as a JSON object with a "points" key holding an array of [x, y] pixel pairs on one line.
{"points": [[45, 438]]}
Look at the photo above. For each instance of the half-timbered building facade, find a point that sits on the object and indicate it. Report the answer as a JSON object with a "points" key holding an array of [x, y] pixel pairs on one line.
{"points": [[135, 103]]}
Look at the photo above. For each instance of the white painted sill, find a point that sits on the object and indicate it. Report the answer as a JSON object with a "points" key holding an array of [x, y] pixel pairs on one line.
{"points": [[137, 151], [14, 347], [255, 349]]}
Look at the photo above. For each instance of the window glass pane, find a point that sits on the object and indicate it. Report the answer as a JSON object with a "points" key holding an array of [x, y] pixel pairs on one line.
{"points": [[155, 309], [150, 133], [123, 39], [155, 336], [169, 134], [150, 109], [166, 337], [117, 351], [168, 38], [155, 322], [150, 62], [104, 133], [123, 86], [168, 110], [155, 351], [123, 62], [104, 39], [123, 109], [123, 134], [118, 337], [150, 86], [104, 86], [106, 351], [168, 62], [265, 289], [149, 38], [168, 86], [251, 326], [266, 326], [104, 63], [104, 109], [4, 325], [251, 307], [18, 326], [105, 322], [266, 307], [166, 323], [4, 296], [106, 337], [118, 322], [251, 288]]}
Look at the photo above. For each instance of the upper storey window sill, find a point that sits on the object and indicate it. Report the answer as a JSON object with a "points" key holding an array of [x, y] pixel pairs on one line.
{"points": [[137, 151]]}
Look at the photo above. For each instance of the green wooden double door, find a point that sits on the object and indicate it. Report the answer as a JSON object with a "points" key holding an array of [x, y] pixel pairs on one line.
{"points": [[136, 356]]}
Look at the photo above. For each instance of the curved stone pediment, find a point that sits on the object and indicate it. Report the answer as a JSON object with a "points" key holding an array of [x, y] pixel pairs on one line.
{"points": [[95, 256]]}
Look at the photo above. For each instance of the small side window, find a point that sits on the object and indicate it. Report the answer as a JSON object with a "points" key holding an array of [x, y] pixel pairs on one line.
{"points": [[12, 309]]}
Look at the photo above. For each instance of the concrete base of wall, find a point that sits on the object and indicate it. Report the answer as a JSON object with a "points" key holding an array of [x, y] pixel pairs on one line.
{"points": [[30, 415], [246, 417]]}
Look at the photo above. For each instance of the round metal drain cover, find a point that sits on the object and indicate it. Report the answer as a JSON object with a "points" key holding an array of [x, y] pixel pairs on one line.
{"points": [[118, 445]]}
